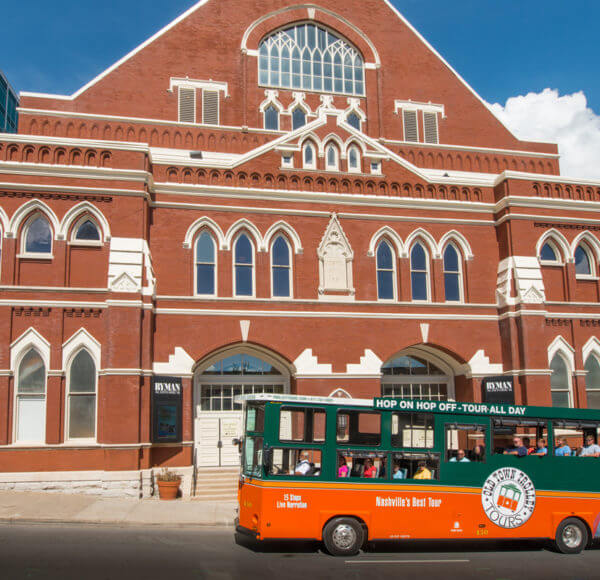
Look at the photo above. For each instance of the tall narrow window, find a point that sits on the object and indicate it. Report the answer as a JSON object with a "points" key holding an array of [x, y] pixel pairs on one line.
{"points": [[354, 121], [452, 276], [430, 127], [353, 159], [592, 382], [38, 236], [244, 267], [298, 118], [271, 118], [82, 397], [281, 266], [205, 265], [210, 107], [560, 382], [583, 264], [187, 105], [332, 158], [385, 272], [87, 231], [309, 156], [31, 399], [411, 130], [419, 273]]}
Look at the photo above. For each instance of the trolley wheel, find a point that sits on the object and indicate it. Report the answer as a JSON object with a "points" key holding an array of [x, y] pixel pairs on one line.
{"points": [[343, 536], [571, 536]]}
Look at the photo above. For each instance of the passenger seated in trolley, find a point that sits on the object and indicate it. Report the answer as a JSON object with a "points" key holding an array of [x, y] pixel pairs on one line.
{"points": [[303, 467], [590, 449], [561, 448], [370, 469], [541, 448], [399, 472], [518, 449], [460, 457], [343, 470], [422, 471]]}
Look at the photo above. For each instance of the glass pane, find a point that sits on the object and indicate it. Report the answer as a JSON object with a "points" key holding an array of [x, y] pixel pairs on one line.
{"points": [[243, 250], [559, 378], [582, 261], [418, 258], [593, 399], [39, 237], [205, 249], [308, 155], [31, 419], [271, 119], [592, 379], [451, 284], [385, 258], [281, 282], [548, 254], [205, 279], [353, 158], [83, 374], [419, 285], [88, 231], [252, 365], [82, 417], [331, 157], [281, 252], [233, 365], [354, 121], [560, 398], [32, 374], [451, 260], [243, 281], [298, 119], [385, 285]]}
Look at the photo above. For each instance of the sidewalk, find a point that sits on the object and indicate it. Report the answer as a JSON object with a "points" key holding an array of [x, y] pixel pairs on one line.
{"points": [[30, 507]]}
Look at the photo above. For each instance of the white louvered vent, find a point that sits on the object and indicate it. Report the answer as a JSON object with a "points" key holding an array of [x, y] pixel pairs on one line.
{"points": [[187, 105], [210, 107], [430, 127], [411, 132]]}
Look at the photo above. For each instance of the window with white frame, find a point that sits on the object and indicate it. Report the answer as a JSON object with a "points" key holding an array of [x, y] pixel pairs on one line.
{"points": [[309, 156], [271, 118], [419, 273], [298, 118], [386, 272], [592, 382], [354, 159], [187, 105], [243, 266], [332, 158], [560, 382], [206, 265], [81, 404], [354, 121], [584, 265], [30, 424], [411, 377], [86, 230], [452, 274], [549, 253], [37, 235], [281, 268], [311, 57]]}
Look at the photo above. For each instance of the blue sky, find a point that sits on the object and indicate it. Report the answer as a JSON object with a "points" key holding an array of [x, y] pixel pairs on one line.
{"points": [[502, 48]]}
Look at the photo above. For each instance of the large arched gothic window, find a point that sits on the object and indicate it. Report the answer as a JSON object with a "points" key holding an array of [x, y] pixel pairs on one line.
{"points": [[244, 267], [281, 268], [38, 236], [560, 382], [385, 272], [592, 382], [411, 377], [271, 118], [583, 262], [419, 273], [205, 265], [31, 399], [310, 57], [81, 403]]}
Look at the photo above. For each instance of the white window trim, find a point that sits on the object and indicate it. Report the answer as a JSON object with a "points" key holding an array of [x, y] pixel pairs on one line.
{"points": [[394, 272], [179, 88], [234, 263], [17, 373], [557, 253], [591, 260], [375, 167], [593, 353], [188, 83], [569, 389], [312, 165], [264, 113], [461, 293], [287, 164], [215, 294], [358, 168], [68, 400], [427, 271], [84, 218], [290, 269], [336, 152], [23, 243]]}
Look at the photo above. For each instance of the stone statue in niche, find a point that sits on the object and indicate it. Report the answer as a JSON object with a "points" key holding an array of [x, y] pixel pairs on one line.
{"points": [[335, 263]]}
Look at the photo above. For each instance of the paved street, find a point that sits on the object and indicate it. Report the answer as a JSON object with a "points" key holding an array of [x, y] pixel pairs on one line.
{"points": [[111, 553]]}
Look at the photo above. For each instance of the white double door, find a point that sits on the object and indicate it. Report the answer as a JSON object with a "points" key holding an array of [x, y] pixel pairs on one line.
{"points": [[214, 435]]}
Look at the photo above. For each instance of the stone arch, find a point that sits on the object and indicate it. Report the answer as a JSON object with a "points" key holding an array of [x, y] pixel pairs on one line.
{"points": [[244, 224], [78, 211], [26, 210], [205, 223], [282, 227]]}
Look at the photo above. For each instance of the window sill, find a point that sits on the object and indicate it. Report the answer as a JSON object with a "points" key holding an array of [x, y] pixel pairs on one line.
{"points": [[48, 257], [586, 277], [84, 244], [553, 264]]}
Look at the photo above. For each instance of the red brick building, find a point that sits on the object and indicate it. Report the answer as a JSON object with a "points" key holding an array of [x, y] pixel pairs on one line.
{"points": [[273, 196]]}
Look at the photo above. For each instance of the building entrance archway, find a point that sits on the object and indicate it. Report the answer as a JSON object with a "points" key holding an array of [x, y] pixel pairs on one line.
{"points": [[217, 417]]}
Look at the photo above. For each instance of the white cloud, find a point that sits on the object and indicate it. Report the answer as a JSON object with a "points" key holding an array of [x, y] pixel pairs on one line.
{"points": [[565, 120]]}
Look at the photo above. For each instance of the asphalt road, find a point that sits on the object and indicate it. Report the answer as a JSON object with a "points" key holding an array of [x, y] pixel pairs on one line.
{"points": [[67, 552]]}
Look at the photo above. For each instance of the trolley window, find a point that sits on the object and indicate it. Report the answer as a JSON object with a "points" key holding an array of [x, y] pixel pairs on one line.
{"points": [[363, 464], [415, 466], [296, 461], [465, 443], [412, 430], [301, 424], [520, 437], [358, 428]]}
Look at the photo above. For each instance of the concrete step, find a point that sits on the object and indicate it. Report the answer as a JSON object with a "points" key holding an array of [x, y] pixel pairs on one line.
{"points": [[215, 497]]}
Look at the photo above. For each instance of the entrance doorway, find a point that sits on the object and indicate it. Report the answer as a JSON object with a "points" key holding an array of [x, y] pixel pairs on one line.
{"points": [[217, 417]]}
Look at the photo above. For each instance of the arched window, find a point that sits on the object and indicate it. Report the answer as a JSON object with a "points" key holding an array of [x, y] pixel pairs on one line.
{"points": [[310, 161], [206, 265], [452, 274], [271, 118], [31, 399], [386, 273], [332, 158], [411, 377], [353, 120], [583, 262], [353, 159], [419, 273], [298, 118], [38, 236], [86, 231], [548, 253], [313, 58], [592, 382], [281, 268], [81, 405], [560, 382], [244, 267]]}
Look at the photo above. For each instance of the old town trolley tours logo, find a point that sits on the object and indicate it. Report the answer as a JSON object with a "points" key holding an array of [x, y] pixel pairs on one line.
{"points": [[508, 497]]}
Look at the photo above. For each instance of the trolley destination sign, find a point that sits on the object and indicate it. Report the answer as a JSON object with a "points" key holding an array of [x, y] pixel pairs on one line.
{"points": [[452, 407]]}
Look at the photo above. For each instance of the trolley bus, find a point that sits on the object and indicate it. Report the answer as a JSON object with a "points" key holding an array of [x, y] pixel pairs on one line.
{"points": [[348, 471]]}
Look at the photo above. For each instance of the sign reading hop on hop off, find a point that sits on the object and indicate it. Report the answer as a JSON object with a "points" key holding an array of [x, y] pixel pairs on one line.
{"points": [[508, 497]]}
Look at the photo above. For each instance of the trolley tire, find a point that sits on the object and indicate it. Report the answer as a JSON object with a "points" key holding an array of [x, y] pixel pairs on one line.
{"points": [[343, 536], [571, 536]]}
